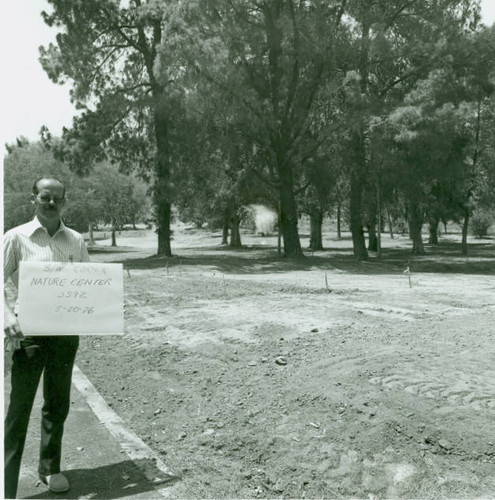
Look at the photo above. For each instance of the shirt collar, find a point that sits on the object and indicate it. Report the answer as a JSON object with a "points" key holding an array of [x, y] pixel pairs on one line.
{"points": [[31, 227]]}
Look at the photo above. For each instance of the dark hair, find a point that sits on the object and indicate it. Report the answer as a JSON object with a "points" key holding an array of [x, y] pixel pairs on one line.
{"points": [[35, 185]]}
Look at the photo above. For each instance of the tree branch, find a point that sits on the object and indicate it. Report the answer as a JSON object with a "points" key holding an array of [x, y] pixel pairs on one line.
{"points": [[237, 12], [295, 67], [124, 90], [302, 188], [102, 63], [398, 12], [257, 173], [304, 124], [340, 13], [146, 51], [228, 90], [402, 78], [129, 40]]}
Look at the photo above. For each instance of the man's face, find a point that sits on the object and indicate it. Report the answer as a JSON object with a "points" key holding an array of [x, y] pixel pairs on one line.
{"points": [[49, 200]]}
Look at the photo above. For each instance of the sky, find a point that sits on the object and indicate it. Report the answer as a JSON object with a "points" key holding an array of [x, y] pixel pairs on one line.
{"points": [[28, 98]]}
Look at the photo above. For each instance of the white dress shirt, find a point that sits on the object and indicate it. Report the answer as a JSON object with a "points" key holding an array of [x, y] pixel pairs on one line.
{"points": [[32, 242]]}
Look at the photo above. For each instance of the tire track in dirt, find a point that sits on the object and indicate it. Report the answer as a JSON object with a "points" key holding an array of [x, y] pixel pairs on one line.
{"points": [[471, 396], [455, 378]]}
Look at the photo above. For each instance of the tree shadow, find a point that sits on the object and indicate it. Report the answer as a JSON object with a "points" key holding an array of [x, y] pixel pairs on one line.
{"points": [[138, 479], [443, 258], [96, 249]]}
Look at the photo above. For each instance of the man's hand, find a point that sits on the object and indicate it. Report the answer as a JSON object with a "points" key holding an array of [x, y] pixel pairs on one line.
{"points": [[12, 332]]}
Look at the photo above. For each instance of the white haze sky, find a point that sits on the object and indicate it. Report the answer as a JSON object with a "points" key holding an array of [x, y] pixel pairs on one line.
{"points": [[28, 98]]}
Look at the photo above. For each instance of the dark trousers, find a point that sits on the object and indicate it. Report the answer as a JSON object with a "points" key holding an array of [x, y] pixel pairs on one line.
{"points": [[54, 355]]}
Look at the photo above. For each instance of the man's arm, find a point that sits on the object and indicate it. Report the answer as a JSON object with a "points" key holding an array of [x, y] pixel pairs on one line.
{"points": [[12, 331], [11, 328]]}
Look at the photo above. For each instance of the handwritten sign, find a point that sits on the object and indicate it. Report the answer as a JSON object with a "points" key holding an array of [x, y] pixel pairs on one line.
{"points": [[61, 298]]}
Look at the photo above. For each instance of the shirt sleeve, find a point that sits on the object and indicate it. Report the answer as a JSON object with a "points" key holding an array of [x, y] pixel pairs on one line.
{"points": [[10, 256]]}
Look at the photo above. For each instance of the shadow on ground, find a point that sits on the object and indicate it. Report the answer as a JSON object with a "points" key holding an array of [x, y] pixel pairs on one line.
{"points": [[443, 258], [121, 480], [109, 249]]}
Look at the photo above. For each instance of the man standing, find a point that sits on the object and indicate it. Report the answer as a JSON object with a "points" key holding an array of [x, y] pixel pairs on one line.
{"points": [[44, 239]]}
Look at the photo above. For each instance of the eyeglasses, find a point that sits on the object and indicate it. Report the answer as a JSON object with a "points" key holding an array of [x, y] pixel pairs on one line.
{"points": [[46, 199]]}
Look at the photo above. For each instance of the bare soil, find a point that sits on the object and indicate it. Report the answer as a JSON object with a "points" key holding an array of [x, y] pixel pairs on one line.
{"points": [[254, 376]]}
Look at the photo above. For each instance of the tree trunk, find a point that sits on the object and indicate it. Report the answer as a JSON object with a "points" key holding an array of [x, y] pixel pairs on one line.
{"points": [[114, 239], [379, 219], [316, 221], [390, 226], [235, 234], [372, 237], [162, 192], [226, 227], [288, 212], [163, 226], [361, 155], [282, 137], [371, 220], [225, 232], [339, 220], [433, 227], [91, 234], [465, 225], [415, 225], [359, 245]]}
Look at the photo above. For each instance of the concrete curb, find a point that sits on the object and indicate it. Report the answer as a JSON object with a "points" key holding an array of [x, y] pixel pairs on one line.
{"points": [[131, 444]]}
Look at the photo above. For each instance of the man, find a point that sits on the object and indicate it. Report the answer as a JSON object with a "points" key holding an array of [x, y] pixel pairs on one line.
{"points": [[44, 239]]}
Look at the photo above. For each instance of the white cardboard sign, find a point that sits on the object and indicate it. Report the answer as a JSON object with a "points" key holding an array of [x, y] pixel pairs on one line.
{"points": [[62, 298]]}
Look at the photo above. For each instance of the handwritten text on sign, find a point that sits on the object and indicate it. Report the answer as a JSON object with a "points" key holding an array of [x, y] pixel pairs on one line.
{"points": [[59, 298]]}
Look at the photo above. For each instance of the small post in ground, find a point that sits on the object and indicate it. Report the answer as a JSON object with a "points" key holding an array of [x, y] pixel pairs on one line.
{"points": [[326, 283], [408, 272]]}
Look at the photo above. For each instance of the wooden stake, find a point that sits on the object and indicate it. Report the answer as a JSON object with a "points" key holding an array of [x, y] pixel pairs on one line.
{"points": [[408, 272], [326, 283]]}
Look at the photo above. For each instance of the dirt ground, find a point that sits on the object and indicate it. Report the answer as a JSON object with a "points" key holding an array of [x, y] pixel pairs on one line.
{"points": [[254, 376]]}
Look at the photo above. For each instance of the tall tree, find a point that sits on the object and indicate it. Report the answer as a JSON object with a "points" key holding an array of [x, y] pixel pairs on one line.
{"points": [[114, 191], [268, 60], [395, 43], [107, 50], [443, 135]]}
